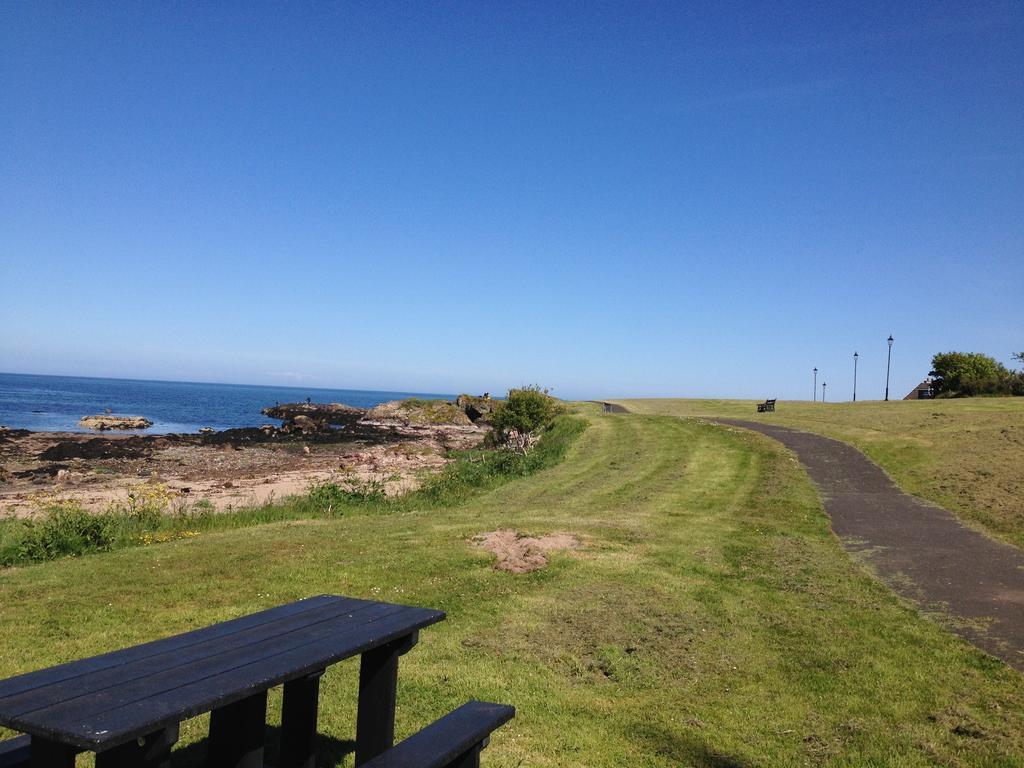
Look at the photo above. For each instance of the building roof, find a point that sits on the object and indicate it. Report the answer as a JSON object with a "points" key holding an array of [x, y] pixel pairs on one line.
{"points": [[925, 385]]}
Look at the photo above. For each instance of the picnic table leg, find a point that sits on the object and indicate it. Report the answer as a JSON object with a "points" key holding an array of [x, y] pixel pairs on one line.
{"points": [[51, 754], [237, 732], [298, 722], [151, 751], [378, 684]]}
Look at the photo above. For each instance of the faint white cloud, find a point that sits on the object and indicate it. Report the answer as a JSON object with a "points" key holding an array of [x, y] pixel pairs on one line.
{"points": [[291, 376]]}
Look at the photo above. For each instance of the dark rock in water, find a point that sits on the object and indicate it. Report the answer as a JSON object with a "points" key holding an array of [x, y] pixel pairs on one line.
{"points": [[328, 413]]}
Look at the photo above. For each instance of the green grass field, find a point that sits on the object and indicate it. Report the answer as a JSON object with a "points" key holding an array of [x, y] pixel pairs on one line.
{"points": [[711, 619], [966, 455]]}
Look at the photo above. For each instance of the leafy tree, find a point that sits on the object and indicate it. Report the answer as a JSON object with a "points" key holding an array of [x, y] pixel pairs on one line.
{"points": [[1017, 379], [970, 373], [519, 418]]}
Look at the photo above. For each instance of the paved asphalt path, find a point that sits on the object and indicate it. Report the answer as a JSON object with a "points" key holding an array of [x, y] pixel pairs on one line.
{"points": [[921, 550]]}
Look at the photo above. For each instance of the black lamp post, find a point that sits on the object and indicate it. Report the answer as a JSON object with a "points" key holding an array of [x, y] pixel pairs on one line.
{"points": [[888, 363], [855, 356], [814, 389], [823, 385]]}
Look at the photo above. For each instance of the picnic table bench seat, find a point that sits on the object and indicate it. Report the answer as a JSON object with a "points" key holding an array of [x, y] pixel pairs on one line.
{"points": [[16, 752], [127, 705], [454, 741], [767, 405]]}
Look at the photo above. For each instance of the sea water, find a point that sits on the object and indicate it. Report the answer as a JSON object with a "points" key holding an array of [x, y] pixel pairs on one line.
{"points": [[56, 403]]}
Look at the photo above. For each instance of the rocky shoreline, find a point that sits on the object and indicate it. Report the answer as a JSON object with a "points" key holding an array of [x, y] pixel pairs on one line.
{"points": [[394, 445]]}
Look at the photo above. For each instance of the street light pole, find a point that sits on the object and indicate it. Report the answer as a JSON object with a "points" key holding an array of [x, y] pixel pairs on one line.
{"points": [[855, 356], [888, 364], [814, 389], [823, 385]]}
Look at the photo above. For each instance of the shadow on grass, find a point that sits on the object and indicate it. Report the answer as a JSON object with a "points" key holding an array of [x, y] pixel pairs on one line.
{"points": [[330, 752], [686, 749]]}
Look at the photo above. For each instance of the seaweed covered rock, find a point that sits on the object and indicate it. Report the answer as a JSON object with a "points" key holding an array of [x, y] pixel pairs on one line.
{"points": [[328, 413], [303, 425]]}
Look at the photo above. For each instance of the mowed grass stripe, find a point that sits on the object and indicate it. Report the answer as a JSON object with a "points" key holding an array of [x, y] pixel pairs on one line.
{"points": [[963, 454], [587, 470], [712, 619]]}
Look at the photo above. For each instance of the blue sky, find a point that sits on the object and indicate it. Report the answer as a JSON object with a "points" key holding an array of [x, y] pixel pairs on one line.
{"points": [[606, 198]]}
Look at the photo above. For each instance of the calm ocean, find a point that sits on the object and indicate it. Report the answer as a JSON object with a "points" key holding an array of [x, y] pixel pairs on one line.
{"points": [[56, 403]]}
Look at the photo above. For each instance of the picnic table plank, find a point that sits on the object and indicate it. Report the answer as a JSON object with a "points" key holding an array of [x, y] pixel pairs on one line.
{"points": [[210, 693], [206, 651], [163, 683], [133, 707], [62, 672]]}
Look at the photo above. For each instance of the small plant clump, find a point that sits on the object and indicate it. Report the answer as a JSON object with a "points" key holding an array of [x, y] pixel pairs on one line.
{"points": [[148, 502], [330, 497], [65, 529], [161, 537]]}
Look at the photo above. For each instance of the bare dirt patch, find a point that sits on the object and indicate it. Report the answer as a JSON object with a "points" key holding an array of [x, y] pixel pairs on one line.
{"points": [[518, 553]]}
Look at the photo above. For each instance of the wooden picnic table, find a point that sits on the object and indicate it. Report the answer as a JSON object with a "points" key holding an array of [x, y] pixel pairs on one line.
{"points": [[127, 705]]}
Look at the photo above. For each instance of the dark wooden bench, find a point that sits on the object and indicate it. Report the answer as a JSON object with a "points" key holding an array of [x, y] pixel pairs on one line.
{"points": [[126, 706], [15, 753], [767, 405], [454, 741]]}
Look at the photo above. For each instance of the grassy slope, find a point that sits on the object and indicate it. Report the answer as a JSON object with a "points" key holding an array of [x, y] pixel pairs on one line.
{"points": [[712, 619], [966, 455]]}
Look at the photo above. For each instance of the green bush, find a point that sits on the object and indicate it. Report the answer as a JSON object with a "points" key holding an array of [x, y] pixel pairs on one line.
{"points": [[519, 418]]}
